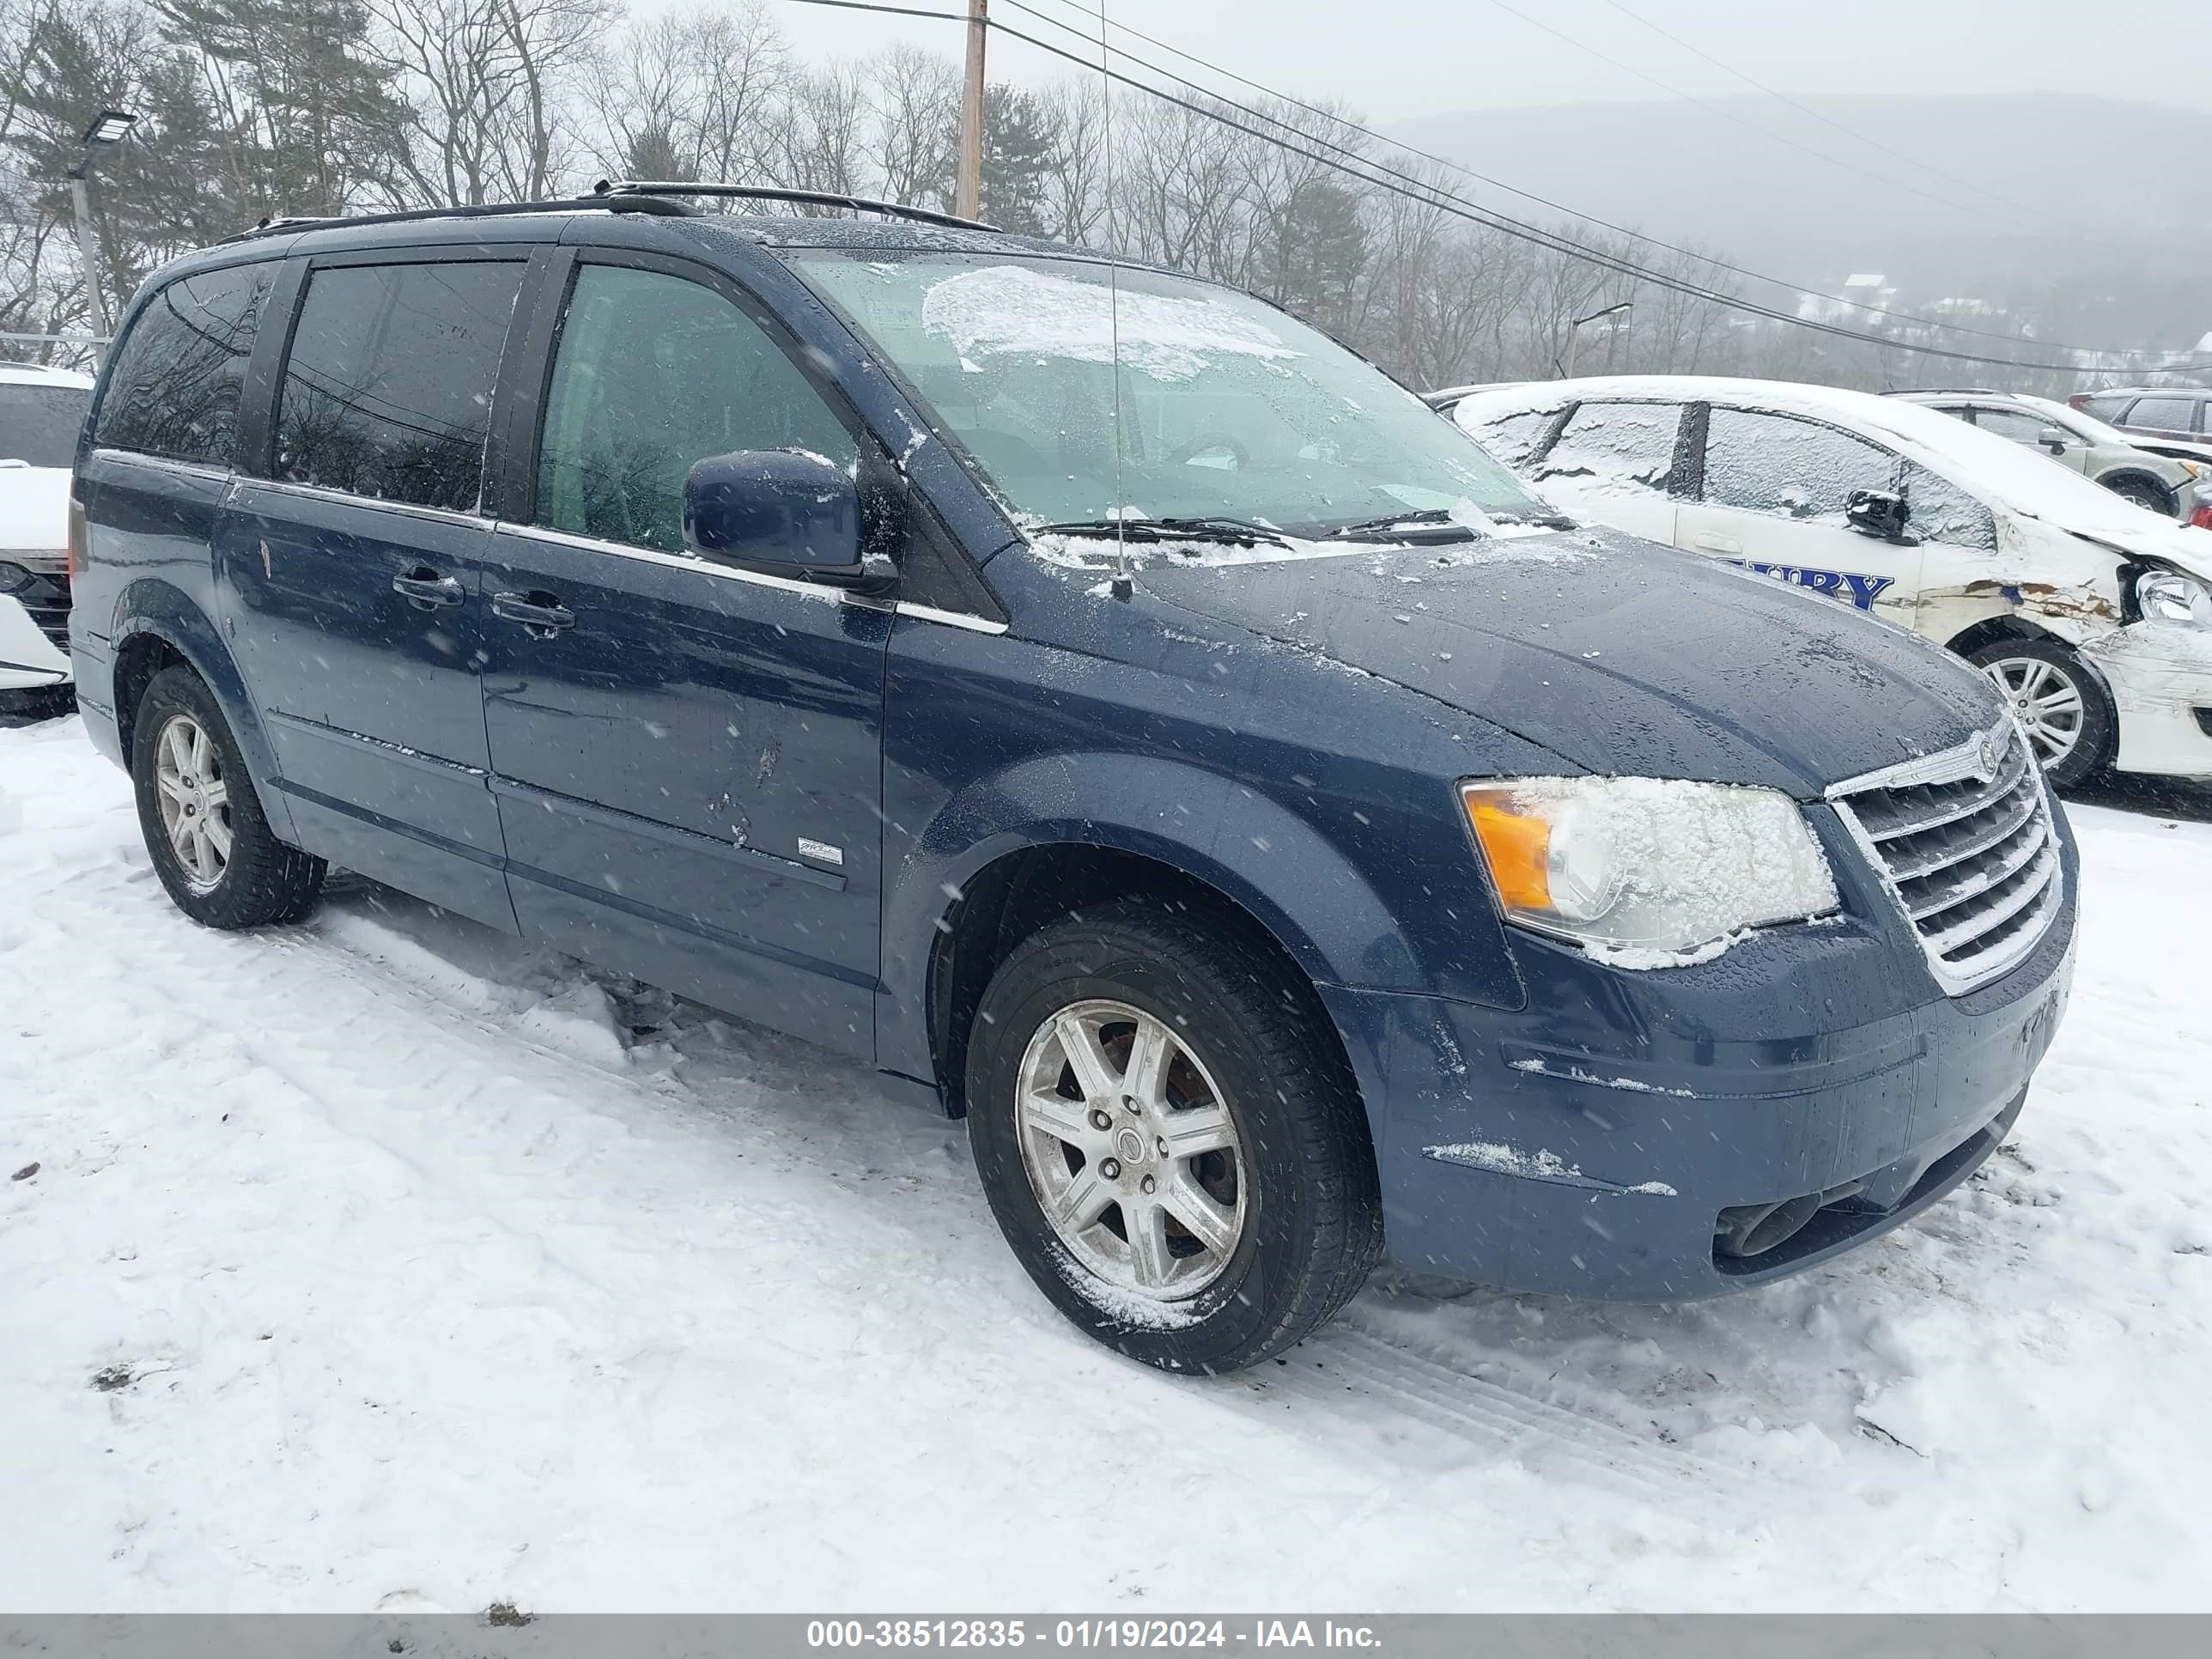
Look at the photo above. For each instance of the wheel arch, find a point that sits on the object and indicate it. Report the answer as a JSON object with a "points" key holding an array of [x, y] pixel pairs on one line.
{"points": [[1022, 848], [158, 626]]}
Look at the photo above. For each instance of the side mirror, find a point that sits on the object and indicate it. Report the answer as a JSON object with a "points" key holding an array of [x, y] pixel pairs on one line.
{"points": [[775, 507], [1882, 513], [2053, 439]]}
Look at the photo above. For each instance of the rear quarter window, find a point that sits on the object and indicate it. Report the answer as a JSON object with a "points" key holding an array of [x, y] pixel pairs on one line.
{"points": [[1627, 445], [175, 388]]}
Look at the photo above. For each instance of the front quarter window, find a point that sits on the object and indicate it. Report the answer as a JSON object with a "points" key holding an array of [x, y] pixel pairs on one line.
{"points": [[1224, 407]]}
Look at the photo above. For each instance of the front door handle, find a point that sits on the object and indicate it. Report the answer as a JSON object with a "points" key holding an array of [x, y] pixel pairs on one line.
{"points": [[1713, 543], [426, 590], [542, 614]]}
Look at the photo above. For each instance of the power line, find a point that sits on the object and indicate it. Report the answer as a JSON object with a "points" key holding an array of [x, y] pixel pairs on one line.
{"points": [[1709, 259], [1805, 109], [1432, 196]]}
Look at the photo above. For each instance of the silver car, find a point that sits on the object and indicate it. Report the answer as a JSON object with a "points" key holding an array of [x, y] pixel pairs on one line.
{"points": [[2165, 484]]}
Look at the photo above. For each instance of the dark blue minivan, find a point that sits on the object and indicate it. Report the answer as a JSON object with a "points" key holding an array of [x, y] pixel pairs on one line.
{"points": [[1105, 705]]}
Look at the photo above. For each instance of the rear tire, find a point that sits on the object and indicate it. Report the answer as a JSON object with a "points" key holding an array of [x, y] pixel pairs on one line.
{"points": [[1202, 1211], [2071, 724], [210, 843]]}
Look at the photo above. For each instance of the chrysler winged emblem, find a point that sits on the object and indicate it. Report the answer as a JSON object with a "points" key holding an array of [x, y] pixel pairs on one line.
{"points": [[1992, 750]]}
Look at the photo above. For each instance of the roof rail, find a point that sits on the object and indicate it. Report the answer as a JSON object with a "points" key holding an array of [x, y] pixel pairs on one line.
{"points": [[641, 203], [649, 189]]}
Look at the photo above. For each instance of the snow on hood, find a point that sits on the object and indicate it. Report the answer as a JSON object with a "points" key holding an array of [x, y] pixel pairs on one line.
{"points": [[1014, 308], [1996, 469], [34, 507]]}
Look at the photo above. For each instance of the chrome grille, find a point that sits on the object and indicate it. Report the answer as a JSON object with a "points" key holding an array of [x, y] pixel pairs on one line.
{"points": [[47, 595], [1966, 845]]}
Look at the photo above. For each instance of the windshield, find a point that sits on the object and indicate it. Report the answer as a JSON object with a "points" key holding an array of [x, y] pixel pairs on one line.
{"points": [[1229, 408], [38, 424]]}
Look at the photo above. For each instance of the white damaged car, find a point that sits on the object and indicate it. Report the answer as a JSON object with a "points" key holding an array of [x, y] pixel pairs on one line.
{"points": [[2094, 616], [41, 412]]}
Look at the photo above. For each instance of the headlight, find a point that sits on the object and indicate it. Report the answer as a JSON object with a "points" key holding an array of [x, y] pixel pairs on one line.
{"points": [[1647, 873], [2170, 596], [2194, 469]]}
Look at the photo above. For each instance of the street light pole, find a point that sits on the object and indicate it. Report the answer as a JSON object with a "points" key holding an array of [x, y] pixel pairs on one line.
{"points": [[1575, 333], [110, 127]]}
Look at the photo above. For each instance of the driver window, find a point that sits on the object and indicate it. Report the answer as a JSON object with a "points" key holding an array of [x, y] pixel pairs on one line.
{"points": [[1788, 467], [654, 372], [2015, 424], [1942, 512]]}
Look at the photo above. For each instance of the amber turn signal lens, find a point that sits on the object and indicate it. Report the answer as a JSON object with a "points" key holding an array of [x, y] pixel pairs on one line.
{"points": [[1518, 849]]}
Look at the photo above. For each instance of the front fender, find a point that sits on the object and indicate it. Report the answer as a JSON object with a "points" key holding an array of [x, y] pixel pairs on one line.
{"points": [[1306, 889], [152, 606]]}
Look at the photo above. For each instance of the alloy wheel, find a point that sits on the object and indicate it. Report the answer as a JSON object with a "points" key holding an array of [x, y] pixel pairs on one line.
{"points": [[1131, 1150], [195, 801], [2044, 700]]}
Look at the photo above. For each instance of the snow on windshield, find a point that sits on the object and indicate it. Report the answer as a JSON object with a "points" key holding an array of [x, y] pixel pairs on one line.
{"points": [[1012, 309]]}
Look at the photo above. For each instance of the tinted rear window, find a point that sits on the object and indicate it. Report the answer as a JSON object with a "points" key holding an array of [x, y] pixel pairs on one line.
{"points": [[175, 386], [2105, 408], [2168, 414], [38, 424], [387, 390]]}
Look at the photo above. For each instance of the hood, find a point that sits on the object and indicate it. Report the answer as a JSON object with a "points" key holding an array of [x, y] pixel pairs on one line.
{"points": [[34, 509], [2154, 538], [1619, 656]]}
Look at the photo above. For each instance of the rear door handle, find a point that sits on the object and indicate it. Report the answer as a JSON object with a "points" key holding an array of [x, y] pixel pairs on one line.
{"points": [[542, 614], [1713, 543], [426, 590]]}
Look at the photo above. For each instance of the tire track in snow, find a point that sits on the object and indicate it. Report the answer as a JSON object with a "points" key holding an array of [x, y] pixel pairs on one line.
{"points": [[1442, 1403]]}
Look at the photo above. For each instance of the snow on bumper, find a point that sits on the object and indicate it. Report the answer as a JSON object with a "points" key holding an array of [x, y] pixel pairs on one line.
{"points": [[1598, 1142], [2160, 676]]}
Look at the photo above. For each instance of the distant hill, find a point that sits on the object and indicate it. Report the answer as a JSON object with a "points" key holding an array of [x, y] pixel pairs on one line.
{"points": [[2114, 199]]}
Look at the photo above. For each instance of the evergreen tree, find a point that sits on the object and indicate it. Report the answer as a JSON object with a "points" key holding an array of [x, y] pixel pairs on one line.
{"points": [[316, 119]]}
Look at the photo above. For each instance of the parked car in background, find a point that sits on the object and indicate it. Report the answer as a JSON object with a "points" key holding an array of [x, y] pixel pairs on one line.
{"points": [[2092, 616], [41, 412], [1341, 853], [2174, 412], [2105, 455]]}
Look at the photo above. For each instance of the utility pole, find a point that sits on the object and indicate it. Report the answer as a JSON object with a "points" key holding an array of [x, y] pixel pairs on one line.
{"points": [[110, 127], [968, 200]]}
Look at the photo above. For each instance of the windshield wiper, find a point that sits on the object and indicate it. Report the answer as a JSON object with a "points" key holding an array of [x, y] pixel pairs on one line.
{"points": [[1235, 533], [1428, 521], [1425, 518]]}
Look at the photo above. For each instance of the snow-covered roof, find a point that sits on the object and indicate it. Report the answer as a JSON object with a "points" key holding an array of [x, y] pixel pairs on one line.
{"points": [[2001, 472]]}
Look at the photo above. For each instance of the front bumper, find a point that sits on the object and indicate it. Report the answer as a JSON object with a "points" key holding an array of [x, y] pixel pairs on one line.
{"points": [[29, 655], [2160, 675], [1608, 1139]]}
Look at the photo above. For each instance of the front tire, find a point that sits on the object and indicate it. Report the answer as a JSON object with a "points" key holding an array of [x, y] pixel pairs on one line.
{"points": [[2069, 716], [1169, 1137], [210, 843], [2146, 493]]}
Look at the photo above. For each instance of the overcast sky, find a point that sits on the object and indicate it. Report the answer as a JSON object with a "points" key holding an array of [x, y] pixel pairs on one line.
{"points": [[1397, 58]]}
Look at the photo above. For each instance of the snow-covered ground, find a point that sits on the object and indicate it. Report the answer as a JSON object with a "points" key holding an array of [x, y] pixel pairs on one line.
{"points": [[383, 1262]]}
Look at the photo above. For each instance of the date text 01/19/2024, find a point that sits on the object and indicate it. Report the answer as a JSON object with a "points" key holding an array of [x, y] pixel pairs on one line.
{"points": [[1079, 1633]]}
